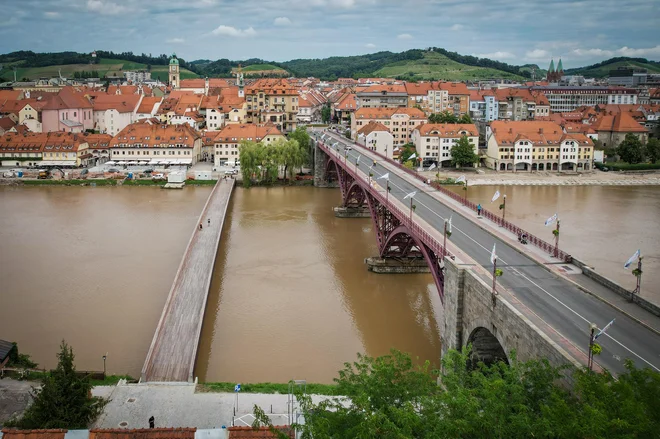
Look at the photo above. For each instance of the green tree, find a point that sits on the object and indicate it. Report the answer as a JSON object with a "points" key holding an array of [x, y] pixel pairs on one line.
{"points": [[465, 119], [444, 117], [653, 149], [249, 154], [325, 113], [64, 399], [631, 150], [302, 137], [290, 155], [462, 153], [406, 151]]}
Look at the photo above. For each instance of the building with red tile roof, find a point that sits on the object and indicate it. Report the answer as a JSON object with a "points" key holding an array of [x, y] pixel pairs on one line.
{"points": [[229, 138], [613, 127], [143, 433], [112, 113], [382, 95], [6, 123], [400, 121], [148, 107], [537, 146], [433, 142], [49, 149], [273, 101], [11, 433], [377, 137], [521, 104], [68, 111], [153, 143], [258, 433]]}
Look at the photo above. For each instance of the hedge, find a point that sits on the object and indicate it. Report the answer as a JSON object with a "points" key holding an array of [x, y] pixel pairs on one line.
{"points": [[628, 166]]}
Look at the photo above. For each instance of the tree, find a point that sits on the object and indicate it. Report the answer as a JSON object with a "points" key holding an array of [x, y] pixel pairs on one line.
{"points": [[653, 149], [462, 153], [64, 400], [406, 151], [631, 150], [325, 113], [302, 137], [249, 155], [444, 117], [465, 118]]}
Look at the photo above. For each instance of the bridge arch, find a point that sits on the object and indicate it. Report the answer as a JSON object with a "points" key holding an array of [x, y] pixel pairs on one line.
{"points": [[486, 347]]}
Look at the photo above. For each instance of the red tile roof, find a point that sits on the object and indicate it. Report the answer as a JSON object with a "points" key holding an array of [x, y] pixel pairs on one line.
{"points": [[67, 98], [10, 95], [448, 129], [246, 131], [454, 88], [6, 123], [387, 113], [147, 104], [122, 103], [151, 136], [540, 133], [371, 127], [259, 433], [33, 434], [143, 433], [618, 123]]}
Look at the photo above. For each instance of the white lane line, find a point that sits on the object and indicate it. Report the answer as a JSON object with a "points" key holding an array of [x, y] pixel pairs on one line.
{"points": [[535, 284]]}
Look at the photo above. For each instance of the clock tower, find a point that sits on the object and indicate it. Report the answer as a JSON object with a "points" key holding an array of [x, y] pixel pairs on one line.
{"points": [[174, 72]]}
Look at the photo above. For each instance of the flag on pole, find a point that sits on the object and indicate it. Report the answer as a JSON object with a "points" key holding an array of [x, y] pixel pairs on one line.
{"points": [[602, 331], [496, 196], [461, 179], [386, 176], [551, 220], [632, 259], [412, 156], [410, 195], [432, 166], [493, 256], [358, 160], [449, 224], [396, 149]]}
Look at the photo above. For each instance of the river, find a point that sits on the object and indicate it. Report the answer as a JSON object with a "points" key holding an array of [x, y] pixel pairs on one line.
{"points": [[291, 297]]}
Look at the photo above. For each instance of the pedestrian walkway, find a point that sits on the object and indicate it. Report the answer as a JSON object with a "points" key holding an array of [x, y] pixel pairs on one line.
{"points": [[173, 350]]}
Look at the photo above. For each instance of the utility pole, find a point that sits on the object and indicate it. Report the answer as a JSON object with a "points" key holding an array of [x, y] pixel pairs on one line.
{"points": [[590, 360]]}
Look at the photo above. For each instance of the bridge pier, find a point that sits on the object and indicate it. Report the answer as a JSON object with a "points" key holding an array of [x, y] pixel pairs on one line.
{"points": [[352, 212], [320, 163], [397, 266]]}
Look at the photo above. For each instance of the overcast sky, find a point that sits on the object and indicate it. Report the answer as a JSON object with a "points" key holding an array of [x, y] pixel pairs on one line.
{"points": [[513, 31]]}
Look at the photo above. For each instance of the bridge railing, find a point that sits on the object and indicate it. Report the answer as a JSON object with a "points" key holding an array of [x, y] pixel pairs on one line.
{"points": [[405, 218], [532, 239]]}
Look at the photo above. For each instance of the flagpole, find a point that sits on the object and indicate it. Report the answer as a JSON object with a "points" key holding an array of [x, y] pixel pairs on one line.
{"points": [[503, 209], [444, 242], [411, 205], [638, 288], [465, 189], [590, 360], [557, 240], [387, 192], [494, 292]]}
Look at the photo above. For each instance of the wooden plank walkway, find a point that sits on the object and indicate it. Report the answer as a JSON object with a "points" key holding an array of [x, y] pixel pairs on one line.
{"points": [[173, 350]]}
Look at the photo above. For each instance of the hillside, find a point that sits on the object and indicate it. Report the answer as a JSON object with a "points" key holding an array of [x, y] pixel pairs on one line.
{"points": [[540, 73], [261, 70], [109, 68], [434, 66], [602, 69]]}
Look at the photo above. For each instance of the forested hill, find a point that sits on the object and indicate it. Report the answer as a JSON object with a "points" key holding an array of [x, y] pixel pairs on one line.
{"points": [[602, 69]]}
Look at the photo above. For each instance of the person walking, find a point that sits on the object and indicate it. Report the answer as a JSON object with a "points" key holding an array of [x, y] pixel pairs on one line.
{"points": [[479, 210], [200, 226], [208, 221]]}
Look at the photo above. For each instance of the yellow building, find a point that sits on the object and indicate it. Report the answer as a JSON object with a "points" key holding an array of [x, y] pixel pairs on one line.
{"points": [[228, 140], [433, 142], [273, 101], [537, 146], [400, 121]]}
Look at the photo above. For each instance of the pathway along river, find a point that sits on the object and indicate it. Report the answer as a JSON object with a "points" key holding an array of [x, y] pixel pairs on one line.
{"points": [[290, 298]]}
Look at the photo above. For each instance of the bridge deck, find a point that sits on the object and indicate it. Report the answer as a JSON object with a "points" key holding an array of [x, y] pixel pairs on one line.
{"points": [[173, 349]]}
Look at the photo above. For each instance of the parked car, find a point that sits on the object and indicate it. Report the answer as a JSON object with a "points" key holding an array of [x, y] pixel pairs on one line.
{"points": [[113, 170], [158, 176], [231, 172]]}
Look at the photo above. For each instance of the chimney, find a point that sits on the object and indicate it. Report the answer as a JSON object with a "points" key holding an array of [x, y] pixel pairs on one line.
{"points": [[540, 130], [510, 130]]}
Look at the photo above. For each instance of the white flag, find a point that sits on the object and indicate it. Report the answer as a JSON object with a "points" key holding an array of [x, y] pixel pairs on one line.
{"points": [[410, 195], [386, 176], [432, 166], [493, 256], [396, 149], [412, 156], [496, 196], [460, 179], [449, 224], [358, 160], [602, 331], [632, 259], [550, 220]]}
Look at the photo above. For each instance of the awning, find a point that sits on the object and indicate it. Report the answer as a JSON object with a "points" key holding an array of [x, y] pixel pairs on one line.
{"points": [[57, 163], [109, 162], [153, 162], [186, 161], [132, 163]]}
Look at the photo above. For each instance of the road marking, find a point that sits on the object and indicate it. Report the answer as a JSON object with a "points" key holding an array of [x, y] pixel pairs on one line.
{"points": [[526, 277]]}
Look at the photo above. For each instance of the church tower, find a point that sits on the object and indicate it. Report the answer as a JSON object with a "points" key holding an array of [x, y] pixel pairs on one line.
{"points": [[174, 72], [240, 82]]}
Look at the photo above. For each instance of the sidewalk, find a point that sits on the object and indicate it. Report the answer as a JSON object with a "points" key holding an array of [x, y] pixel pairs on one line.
{"points": [[176, 405], [569, 272]]}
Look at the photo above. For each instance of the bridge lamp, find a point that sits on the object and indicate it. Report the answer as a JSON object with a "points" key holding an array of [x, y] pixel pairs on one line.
{"points": [[590, 357]]}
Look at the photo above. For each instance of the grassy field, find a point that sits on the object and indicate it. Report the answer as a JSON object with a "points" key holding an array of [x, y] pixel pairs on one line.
{"points": [[604, 71], [259, 67], [111, 68], [437, 66], [281, 388]]}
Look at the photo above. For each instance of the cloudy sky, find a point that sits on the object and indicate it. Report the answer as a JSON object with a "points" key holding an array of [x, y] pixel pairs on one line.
{"points": [[514, 31]]}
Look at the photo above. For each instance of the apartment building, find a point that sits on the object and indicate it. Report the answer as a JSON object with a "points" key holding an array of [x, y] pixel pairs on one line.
{"points": [[526, 146], [344, 108], [458, 97], [48, 149], [521, 104], [377, 137], [564, 99], [138, 76], [433, 142], [612, 128], [67, 111], [400, 121], [484, 105], [228, 139], [147, 142], [427, 96], [273, 101], [113, 113], [382, 96]]}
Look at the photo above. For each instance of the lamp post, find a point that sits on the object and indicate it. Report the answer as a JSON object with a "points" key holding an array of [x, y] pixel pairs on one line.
{"points": [[503, 209], [411, 206], [465, 189], [387, 192], [638, 273], [556, 232], [590, 360], [104, 358]]}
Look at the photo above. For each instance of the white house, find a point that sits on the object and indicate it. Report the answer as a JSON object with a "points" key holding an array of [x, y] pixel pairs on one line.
{"points": [[113, 113], [434, 141], [376, 137]]}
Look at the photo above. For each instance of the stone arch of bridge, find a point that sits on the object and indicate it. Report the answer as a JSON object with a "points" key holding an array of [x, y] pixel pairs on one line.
{"points": [[486, 347]]}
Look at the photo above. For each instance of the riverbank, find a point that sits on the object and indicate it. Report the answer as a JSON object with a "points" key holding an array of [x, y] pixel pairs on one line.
{"points": [[596, 178], [265, 388], [98, 182]]}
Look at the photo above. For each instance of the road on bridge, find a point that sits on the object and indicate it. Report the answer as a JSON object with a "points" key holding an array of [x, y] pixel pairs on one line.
{"points": [[553, 298]]}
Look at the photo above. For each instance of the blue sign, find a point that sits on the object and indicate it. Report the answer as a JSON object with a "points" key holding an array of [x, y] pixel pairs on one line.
{"points": [[237, 388]]}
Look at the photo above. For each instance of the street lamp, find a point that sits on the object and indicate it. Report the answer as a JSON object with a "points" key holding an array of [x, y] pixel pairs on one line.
{"points": [[503, 209], [590, 360], [104, 358], [638, 274]]}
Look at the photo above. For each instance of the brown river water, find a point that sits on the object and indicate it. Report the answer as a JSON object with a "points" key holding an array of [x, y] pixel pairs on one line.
{"points": [[291, 297]]}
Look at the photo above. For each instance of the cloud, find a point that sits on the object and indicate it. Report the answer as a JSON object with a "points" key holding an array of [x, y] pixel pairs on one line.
{"points": [[51, 15], [537, 54], [497, 55], [105, 8], [370, 45], [629, 51], [404, 36], [176, 41], [457, 27], [282, 21], [231, 31]]}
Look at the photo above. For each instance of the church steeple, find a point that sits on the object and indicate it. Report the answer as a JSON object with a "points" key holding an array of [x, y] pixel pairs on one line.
{"points": [[551, 69], [240, 82], [560, 68]]}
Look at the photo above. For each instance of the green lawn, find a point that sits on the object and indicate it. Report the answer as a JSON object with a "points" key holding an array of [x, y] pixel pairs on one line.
{"points": [[258, 67], [436, 66]]}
